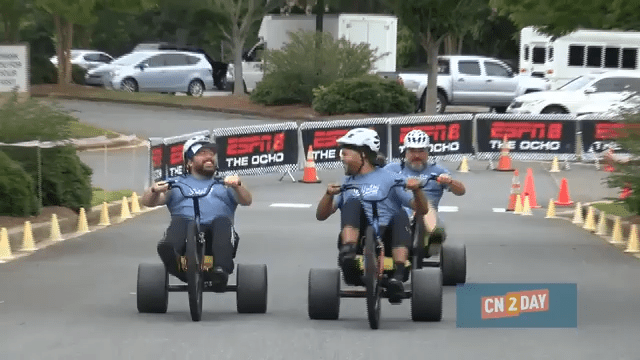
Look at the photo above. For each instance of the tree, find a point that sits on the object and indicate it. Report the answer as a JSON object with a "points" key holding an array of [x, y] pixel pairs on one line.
{"points": [[558, 18], [67, 13], [432, 21], [627, 170], [11, 14], [241, 15]]}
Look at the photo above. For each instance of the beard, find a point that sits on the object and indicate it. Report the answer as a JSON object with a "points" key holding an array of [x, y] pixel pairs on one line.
{"points": [[208, 171], [416, 165]]}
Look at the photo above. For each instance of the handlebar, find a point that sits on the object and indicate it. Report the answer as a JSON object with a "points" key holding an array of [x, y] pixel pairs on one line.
{"points": [[194, 193], [398, 182], [374, 220]]}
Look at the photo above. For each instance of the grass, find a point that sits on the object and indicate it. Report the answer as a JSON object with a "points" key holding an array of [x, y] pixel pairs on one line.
{"points": [[100, 195], [80, 131], [615, 208]]}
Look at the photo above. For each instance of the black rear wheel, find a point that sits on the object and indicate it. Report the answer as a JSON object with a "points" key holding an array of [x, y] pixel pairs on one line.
{"points": [[195, 278], [372, 279]]}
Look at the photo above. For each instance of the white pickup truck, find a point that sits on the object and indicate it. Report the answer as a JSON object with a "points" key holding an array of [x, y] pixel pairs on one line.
{"points": [[473, 81]]}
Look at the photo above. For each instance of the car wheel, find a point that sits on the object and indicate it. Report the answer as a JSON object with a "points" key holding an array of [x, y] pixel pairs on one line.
{"points": [[129, 85], [196, 88]]}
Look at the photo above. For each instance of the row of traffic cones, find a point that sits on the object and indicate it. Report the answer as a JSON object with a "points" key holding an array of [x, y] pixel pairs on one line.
{"points": [[28, 242], [616, 238]]}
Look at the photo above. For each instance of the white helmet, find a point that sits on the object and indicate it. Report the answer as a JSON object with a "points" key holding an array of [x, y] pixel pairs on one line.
{"points": [[361, 137], [416, 139], [193, 145]]}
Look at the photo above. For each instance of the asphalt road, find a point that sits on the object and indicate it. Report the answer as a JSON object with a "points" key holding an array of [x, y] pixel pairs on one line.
{"points": [[146, 121], [75, 300]]}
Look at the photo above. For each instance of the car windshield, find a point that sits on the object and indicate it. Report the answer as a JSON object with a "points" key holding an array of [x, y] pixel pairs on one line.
{"points": [[130, 59], [577, 83]]}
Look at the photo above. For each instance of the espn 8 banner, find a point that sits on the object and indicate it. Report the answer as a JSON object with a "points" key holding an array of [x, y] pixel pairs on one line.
{"points": [[530, 137], [450, 136], [598, 134], [322, 137], [257, 149]]}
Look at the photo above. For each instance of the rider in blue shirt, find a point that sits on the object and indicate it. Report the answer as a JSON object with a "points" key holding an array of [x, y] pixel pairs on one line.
{"points": [[415, 156], [217, 209], [358, 151]]}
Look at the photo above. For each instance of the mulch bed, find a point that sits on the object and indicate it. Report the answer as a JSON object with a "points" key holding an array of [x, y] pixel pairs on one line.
{"points": [[45, 215]]}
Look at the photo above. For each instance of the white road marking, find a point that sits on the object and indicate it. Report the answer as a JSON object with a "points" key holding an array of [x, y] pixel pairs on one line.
{"points": [[499, 210], [447, 209], [290, 205], [132, 293]]}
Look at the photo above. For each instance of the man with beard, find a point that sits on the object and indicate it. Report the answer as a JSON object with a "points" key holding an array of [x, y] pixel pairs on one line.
{"points": [[415, 156], [217, 209], [358, 152]]}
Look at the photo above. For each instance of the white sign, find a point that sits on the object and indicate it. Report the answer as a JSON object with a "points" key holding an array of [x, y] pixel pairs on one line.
{"points": [[14, 68]]}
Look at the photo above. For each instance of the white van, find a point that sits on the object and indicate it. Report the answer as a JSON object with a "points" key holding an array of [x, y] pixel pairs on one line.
{"points": [[576, 54]]}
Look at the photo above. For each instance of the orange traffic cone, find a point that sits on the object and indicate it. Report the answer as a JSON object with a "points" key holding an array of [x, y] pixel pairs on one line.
{"points": [[504, 164], [310, 174], [530, 190], [563, 197], [515, 190]]}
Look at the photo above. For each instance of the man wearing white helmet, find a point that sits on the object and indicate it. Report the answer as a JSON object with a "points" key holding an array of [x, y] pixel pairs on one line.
{"points": [[415, 156], [217, 209], [358, 152]]}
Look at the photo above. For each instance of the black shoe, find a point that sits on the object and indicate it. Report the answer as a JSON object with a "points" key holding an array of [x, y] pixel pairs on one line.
{"points": [[395, 289], [347, 256], [217, 279]]}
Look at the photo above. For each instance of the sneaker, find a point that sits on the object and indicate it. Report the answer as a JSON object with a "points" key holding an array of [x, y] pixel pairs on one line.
{"points": [[347, 255], [395, 289]]}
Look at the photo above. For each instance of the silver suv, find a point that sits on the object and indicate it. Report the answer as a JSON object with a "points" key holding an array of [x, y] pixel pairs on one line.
{"points": [[160, 71]]}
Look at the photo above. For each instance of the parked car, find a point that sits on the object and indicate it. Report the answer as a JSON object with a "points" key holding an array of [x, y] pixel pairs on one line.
{"points": [[87, 59], [161, 71], [472, 80], [600, 87], [219, 69], [629, 104]]}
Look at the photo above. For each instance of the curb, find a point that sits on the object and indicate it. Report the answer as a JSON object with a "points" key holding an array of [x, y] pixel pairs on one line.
{"points": [[235, 111], [68, 228], [100, 142]]}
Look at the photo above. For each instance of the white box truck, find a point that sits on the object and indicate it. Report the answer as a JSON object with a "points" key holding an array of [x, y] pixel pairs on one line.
{"points": [[379, 31]]}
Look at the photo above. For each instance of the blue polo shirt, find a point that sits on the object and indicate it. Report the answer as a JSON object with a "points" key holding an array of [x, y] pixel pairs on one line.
{"points": [[221, 200], [433, 190], [376, 185]]}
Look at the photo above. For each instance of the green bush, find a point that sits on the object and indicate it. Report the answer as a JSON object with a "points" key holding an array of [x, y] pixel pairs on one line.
{"points": [[16, 189], [42, 70], [627, 173], [310, 60], [66, 180], [366, 94]]}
